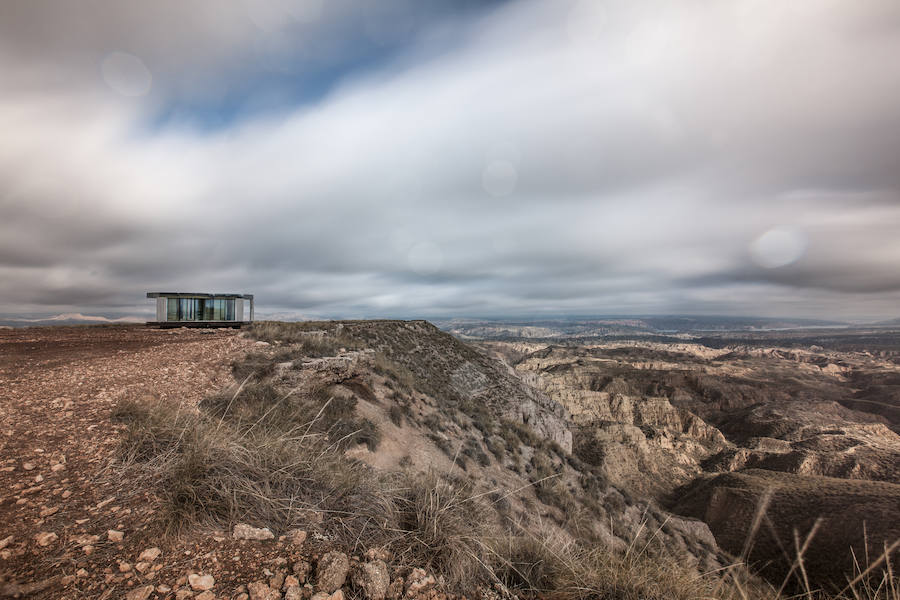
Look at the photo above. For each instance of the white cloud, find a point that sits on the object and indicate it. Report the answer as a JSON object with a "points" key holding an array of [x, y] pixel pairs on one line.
{"points": [[558, 156]]}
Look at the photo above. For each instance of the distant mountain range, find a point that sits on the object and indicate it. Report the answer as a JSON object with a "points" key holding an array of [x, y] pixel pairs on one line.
{"points": [[538, 327], [577, 327], [69, 319]]}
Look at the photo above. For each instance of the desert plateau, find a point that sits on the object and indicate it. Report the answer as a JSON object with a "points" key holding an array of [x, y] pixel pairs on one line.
{"points": [[402, 461]]}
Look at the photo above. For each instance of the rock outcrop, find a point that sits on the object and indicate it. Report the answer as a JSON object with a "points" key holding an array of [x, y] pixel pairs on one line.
{"points": [[642, 443], [841, 515], [445, 368]]}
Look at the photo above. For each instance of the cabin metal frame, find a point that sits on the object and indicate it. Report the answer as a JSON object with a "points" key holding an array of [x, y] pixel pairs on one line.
{"points": [[193, 309]]}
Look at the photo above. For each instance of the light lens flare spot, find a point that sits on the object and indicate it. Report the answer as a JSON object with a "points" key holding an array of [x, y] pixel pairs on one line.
{"points": [[499, 178], [126, 74], [778, 247], [425, 258]]}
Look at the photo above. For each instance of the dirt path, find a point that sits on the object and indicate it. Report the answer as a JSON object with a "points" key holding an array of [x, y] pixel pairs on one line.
{"points": [[57, 387]]}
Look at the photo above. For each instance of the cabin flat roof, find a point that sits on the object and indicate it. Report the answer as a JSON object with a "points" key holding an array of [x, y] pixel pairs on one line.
{"points": [[196, 295]]}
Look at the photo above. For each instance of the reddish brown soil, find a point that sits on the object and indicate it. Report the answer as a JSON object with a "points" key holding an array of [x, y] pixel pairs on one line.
{"points": [[57, 388], [61, 489]]}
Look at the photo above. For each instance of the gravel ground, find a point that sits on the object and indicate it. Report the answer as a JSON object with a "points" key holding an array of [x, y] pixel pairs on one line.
{"points": [[71, 528], [57, 387]]}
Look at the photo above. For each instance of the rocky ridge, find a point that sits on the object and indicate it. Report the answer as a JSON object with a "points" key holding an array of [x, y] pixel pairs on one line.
{"points": [[452, 378]]}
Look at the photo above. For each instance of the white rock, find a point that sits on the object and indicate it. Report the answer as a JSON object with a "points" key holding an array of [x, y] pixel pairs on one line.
{"points": [[115, 536], [141, 593], [201, 583], [293, 592], [259, 590], [372, 578], [45, 538], [242, 531], [331, 571], [150, 554]]}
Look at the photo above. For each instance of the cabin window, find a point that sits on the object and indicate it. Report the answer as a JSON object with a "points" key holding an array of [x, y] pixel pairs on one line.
{"points": [[187, 309], [200, 309], [208, 310]]}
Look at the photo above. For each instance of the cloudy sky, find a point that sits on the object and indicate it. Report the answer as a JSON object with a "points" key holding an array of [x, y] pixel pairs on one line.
{"points": [[437, 158]]}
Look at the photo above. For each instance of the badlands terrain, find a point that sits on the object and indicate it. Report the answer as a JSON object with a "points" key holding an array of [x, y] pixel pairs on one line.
{"points": [[390, 459], [719, 425]]}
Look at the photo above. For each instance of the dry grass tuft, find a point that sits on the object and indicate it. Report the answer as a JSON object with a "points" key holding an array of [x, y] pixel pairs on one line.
{"points": [[444, 524], [306, 338], [209, 470], [547, 565], [260, 406]]}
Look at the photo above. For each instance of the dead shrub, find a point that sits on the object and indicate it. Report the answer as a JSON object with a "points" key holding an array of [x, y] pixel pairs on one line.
{"points": [[472, 449], [397, 415], [495, 446], [481, 416], [444, 524], [257, 366], [319, 346], [207, 470], [330, 411], [394, 372], [441, 442], [524, 432], [307, 337], [527, 564], [154, 427], [544, 564], [435, 422]]}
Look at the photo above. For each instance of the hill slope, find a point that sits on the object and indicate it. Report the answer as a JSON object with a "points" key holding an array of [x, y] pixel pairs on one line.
{"points": [[375, 459]]}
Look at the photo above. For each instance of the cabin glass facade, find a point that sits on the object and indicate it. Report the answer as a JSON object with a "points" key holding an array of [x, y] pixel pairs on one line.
{"points": [[176, 309], [200, 309]]}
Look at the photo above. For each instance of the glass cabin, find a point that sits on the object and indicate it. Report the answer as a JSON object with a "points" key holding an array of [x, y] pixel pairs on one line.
{"points": [[183, 309]]}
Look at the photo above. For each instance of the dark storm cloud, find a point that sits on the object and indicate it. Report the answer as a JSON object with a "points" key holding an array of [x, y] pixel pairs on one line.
{"points": [[510, 158]]}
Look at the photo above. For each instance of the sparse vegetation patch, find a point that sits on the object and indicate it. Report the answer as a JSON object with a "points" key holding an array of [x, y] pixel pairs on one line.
{"points": [[210, 470]]}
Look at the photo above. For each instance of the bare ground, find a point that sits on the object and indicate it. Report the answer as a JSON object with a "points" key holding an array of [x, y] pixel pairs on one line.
{"points": [[57, 388]]}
